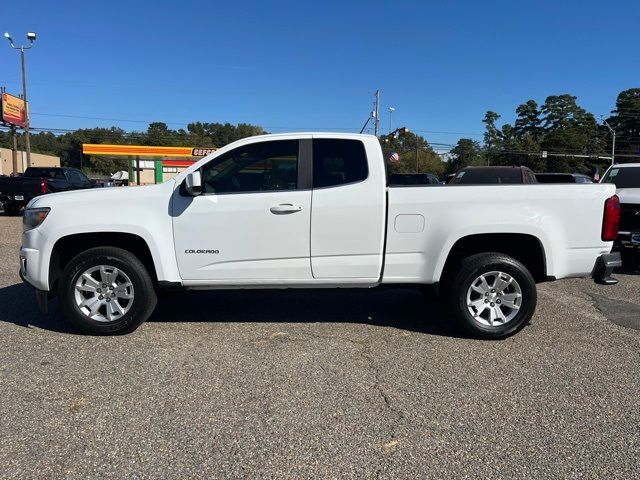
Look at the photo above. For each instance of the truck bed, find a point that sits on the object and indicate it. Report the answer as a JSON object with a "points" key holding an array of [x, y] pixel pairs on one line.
{"points": [[424, 223]]}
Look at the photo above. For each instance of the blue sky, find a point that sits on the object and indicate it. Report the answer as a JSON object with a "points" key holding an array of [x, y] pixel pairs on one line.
{"points": [[296, 65]]}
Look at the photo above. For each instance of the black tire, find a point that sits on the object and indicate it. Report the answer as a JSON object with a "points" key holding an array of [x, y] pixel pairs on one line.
{"points": [[12, 209], [144, 298], [470, 269]]}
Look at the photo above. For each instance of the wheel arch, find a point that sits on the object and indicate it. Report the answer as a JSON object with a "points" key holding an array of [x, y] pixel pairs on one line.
{"points": [[67, 247], [528, 249]]}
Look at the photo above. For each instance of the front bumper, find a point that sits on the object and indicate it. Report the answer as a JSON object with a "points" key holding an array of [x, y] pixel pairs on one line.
{"points": [[604, 268], [21, 199]]}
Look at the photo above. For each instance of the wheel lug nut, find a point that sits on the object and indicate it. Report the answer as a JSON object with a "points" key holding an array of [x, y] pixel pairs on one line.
{"points": [[486, 300], [493, 304], [486, 294], [104, 285], [100, 297], [498, 301], [99, 290]]}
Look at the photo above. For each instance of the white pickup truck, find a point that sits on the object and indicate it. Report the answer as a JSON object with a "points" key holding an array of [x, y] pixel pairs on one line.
{"points": [[313, 210]]}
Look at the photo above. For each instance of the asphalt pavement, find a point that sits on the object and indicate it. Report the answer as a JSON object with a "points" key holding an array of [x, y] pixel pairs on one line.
{"points": [[321, 384]]}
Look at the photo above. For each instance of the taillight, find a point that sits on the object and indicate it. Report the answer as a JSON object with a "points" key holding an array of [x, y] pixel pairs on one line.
{"points": [[44, 185], [611, 220]]}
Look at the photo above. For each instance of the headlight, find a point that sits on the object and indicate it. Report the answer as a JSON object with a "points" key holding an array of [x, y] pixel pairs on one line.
{"points": [[33, 217]]}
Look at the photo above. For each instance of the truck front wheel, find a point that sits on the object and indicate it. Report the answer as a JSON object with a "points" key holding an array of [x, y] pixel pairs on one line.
{"points": [[492, 296], [106, 291]]}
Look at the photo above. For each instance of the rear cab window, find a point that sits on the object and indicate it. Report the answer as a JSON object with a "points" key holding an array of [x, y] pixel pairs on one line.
{"points": [[338, 162], [54, 173]]}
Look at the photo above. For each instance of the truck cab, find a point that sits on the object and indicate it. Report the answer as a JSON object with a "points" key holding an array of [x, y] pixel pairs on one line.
{"points": [[302, 209]]}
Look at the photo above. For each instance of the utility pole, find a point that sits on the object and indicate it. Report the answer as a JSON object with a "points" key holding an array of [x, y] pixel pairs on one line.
{"points": [[14, 149], [31, 36], [417, 170], [376, 111], [27, 140], [613, 145], [391, 110]]}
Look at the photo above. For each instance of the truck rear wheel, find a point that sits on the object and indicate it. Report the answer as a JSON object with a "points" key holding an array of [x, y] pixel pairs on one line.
{"points": [[492, 296], [106, 291]]}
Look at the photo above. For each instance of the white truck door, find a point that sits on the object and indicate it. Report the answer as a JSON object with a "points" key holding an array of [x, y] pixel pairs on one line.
{"points": [[251, 224], [349, 205]]}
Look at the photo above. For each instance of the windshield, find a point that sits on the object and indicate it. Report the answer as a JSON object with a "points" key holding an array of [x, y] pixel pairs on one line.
{"points": [[44, 172], [626, 177]]}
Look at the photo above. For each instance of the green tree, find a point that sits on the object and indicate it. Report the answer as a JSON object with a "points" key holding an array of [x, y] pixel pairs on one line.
{"points": [[158, 134], [568, 130], [492, 136], [625, 119], [528, 120], [466, 153]]}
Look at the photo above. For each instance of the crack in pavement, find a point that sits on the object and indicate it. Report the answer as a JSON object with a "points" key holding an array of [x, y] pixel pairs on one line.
{"points": [[389, 447]]}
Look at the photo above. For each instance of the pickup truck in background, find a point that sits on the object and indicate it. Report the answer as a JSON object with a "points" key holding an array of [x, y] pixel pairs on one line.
{"points": [[313, 210], [398, 179], [16, 192], [626, 177]]}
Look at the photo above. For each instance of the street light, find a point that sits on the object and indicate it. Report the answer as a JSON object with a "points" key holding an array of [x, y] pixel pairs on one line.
{"points": [[391, 110], [31, 36], [613, 146]]}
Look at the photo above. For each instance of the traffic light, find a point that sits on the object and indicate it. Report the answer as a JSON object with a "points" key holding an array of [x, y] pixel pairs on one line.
{"points": [[397, 133]]}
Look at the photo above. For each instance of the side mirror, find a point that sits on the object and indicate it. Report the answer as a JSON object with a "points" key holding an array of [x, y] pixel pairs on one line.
{"points": [[193, 183]]}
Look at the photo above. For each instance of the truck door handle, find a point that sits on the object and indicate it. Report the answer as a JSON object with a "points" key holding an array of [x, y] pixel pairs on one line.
{"points": [[285, 208]]}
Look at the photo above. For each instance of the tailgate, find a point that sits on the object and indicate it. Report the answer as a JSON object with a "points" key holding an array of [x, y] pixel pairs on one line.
{"points": [[27, 187]]}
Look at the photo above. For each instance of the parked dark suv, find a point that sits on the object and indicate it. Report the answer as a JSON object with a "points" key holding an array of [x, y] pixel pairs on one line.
{"points": [[397, 179]]}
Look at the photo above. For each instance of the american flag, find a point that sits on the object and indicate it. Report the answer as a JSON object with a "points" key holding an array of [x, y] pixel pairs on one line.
{"points": [[394, 157], [596, 176]]}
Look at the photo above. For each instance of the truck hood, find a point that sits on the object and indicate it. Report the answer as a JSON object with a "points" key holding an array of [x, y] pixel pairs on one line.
{"points": [[629, 195], [98, 196]]}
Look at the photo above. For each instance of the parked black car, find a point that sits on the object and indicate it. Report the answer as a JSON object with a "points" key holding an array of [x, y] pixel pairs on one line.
{"points": [[16, 192], [413, 179], [563, 178], [494, 175]]}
